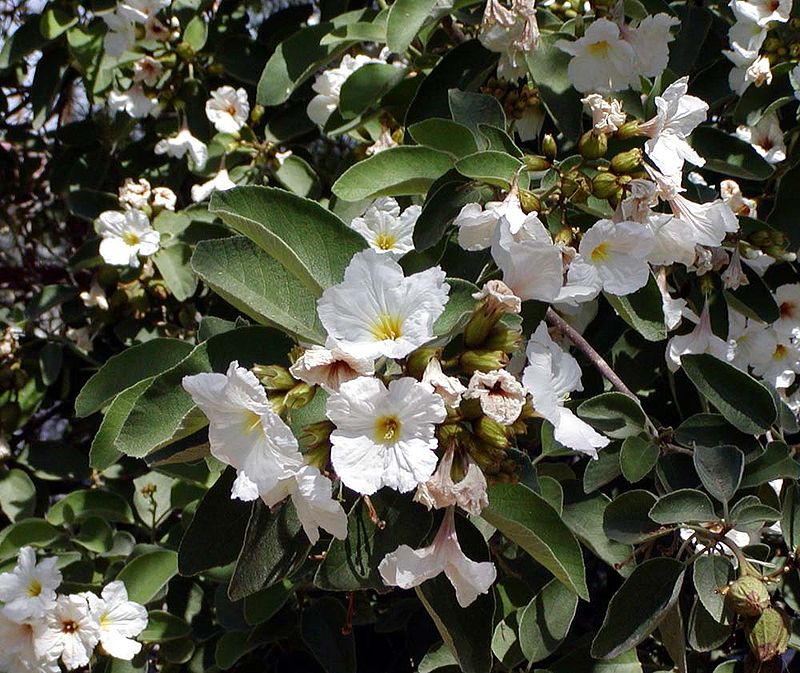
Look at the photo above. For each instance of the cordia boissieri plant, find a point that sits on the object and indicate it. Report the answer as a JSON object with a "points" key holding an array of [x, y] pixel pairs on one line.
{"points": [[400, 336]]}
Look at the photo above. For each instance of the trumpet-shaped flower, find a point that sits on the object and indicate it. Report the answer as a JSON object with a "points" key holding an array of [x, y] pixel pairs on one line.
{"points": [[29, 590], [378, 311], [650, 41], [120, 620], [328, 87], [135, 102], [69, 631], [330, 367], [441, 490], [386, 229], [700, 340], [766, 138], [18, 652], [788, 299], [500, 395], [762, 12], [551, 374], [181, 143], [141, 11], [147, 70], [227, 109], [219, 183], [607, 116], [384, 436], [617, 251], [511, 33], [121, 34], [126, 236], [449, 388], [775, 358], [406, 567]]}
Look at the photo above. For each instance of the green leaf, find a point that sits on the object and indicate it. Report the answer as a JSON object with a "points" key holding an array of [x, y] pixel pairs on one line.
{"points": [[103, 453], [147, 574], [706, 633], [24, 41], [46, 84], [406, 18], [216, 532], [637, 457], [95, 535], [527, 519], [728, 155], [444, 135], [393, 172], [499, 140], [710, 573], [548, 66], [196, 33], [273, 544], [743, 401], [56, 21], [28, 532], [642, 310], [637, 608], [720, 469], [445, 199], [298, 176], [322, 629], [614, 414], [89, 203], [491, 167], [755, 300], [775, 463], [298, 57], [713, 429], [545, 621], [783, 215], [361, 31], [163, 627], [17, 495], [473, 109], [258, 285], [263, 605], [173, 265], [460, 305], [366, 86], [127, 368], [231, 647], [627, 518], [310, 241], [683, 506], [80, 505], [790, 515], [352, 564]]}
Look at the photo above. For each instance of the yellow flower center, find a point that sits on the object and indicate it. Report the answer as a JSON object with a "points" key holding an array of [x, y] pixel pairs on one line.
{"points": [[780, 351], [387, 328], [385, 241], [130, 238], [600, 253], [599, 49], [104, 620], [251, 421], [387, 429], [34, 588]]}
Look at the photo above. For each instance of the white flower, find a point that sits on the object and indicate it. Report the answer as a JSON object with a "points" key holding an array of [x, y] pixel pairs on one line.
{"points": [[315, 507], [775, 358], [147, 70], [141, 11], [81, 337], [121, 35], [406, 567], [511, 33], [449, 388], [673, 308], [385, 141], [759, 72], [135, 193], [385, 228], [794, 78], [181, 143], [135, 102], [674, 240], [601, 60], [384, 436], [607, 116], [550, 376], [378, 311], [95, 296], [788, 299], [328, 87], [700, 340], [18, 652], [742, 59], [766, 138], [126, 236], [219, 183], [164, 198], [617, 251], [501, 395], [69, 631], [441, 491], [762, 12], [120, 620], [746, 37], [731, 194], [650, 40], [499, 298], [330, 367], [29, 591], [227, 109], [677, 115], [582, 282], [476, 224]]}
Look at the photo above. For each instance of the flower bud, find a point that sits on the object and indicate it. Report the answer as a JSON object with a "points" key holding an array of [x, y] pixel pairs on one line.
{"points": [[529, 201], [501, 338], [629, 129], [274, 377], [535, 162], [627, 162], [768, 637], [185, 51], [299, 396], [491, 432], [549, 147], [760, 238], [747, 596], [257, 113], [604, 185], [483, 361], [591, 146], [576, 186], [418, 360]]}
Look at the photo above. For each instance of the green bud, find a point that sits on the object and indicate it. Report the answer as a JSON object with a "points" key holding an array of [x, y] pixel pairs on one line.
{"points": [[604, 185], [627, 162], [418, 360], [747, 596], [629, 129], [483, 360], [591, 146], [501, 338], [299, 396], [491, 432], [768, 637], [772, 44], [549, 147], [576, 186], [185, 51], [535, 162], [529, 201], [274, 377], [257, 114]]}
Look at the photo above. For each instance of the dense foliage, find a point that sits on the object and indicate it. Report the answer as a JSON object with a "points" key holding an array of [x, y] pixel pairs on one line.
{"points": [[413, 336]]}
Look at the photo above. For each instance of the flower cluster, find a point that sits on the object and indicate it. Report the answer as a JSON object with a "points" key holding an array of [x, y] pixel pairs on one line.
{"points": [[40, 627]]}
